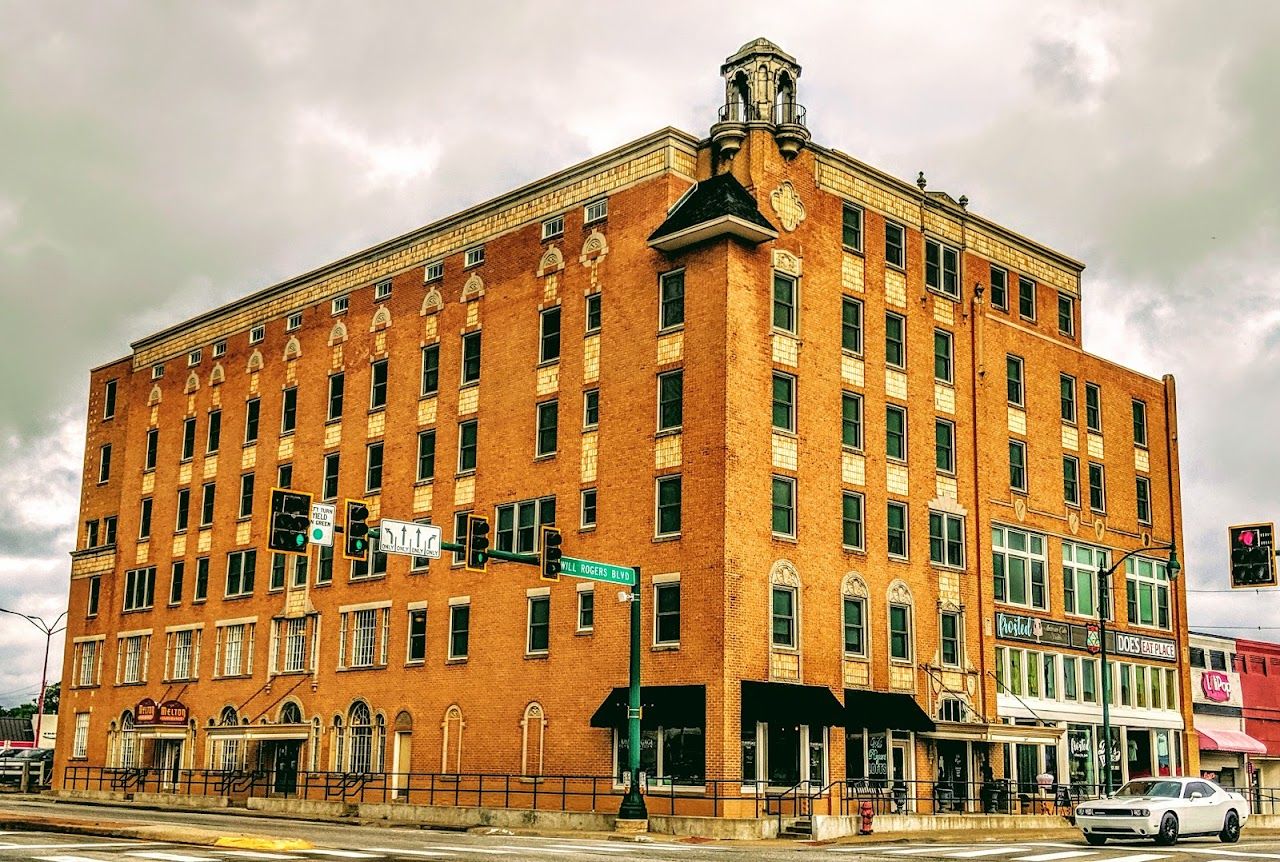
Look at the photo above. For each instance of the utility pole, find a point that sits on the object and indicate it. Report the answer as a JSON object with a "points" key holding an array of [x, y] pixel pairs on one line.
{"points": [[633, 807], [49, 630]]}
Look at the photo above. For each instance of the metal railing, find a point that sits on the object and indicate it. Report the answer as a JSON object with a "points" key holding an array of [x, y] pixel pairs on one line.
{"points": [[783, 113]]}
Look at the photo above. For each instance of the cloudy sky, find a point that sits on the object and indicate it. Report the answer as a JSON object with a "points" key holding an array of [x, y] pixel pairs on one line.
{"points": [[158, 159]]}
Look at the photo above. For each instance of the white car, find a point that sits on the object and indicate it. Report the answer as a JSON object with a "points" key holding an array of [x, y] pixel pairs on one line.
{"points": [[1164, 809]]}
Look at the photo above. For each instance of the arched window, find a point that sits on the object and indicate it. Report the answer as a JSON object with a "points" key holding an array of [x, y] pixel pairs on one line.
{"points": [[786, 99], [740, 99], [359, 738], [339, 744], [128, 741], [854, 607], [451, 748], [533, 729], [228, 757], [901, 624], [290, 713]]}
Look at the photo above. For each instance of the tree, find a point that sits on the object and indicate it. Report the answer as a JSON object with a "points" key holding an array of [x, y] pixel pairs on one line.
{"points": [[52, 695]]}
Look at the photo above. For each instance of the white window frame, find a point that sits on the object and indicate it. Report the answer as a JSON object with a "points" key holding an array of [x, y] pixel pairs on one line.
{"points": [[473, 256], [219, 348], [586, 589], [382, 290], [1001, 545], [596, 210], [293, 322], [339, 305], [454, 605], [1076, 571], [80, 742], [553, 227], [538, 594], [194, 357], [945, 520], [661, 582], [1160, 584], [157, 371], [943, 250], [257, 333], [433, 271]]}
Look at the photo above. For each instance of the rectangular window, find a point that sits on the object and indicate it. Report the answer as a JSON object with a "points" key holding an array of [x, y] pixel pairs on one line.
{"points": [[784, 506], [324, 568], [215, 432], [851, 420], [473, 256], [460, 523], [1027, 298], [188, 438], [899, 633], [671, 400], [109, 530], [1066, 315], [1080, 565], [194, 357], [153, 446], [1018, 465], [944, 444], [144, 520], [588, 508], [549, 334], [595, 211], [88, 666], [593, 313], [949, 639], [382, 290], [520, 524], [895, 429], [459, 631], [417, 646], [240, 571], [586, 610], [553, 227], [784, 303], [375, 566], [1147, 586], [1143, 491], [548, 426], [946, 540], [895, 340], [80, 742], [329, 488], [135, 659], [294, 321], [590, 409], [139, 589], [897, 529], [373, 468], [855, 626], [1097, 488], [1088, 680], [364, 637], [668, 494], [467, 446], [851, 227], [246, 495], [433, 271], [182, 648], [200, 591], [1067, 393], [1013, 379], [157, 371], [1093, 407], [784, 618], [999, 288], [252, 410], [851, 325], [784, 402], [852, 534], [184, 509], [237, 649], [299, 571], [91, 534], [337, 387], [942, 268], [378, 385], [109, 399], [943, 356], [1071, 480], [539, 635], [894, 248], [257, 333], [295, 645], [289, 411], [426, 455], [339, 305], [1139, 423], [219, 348], [1018, 561], [471, 357], [104, 464], [671, 299], [666, 611]]}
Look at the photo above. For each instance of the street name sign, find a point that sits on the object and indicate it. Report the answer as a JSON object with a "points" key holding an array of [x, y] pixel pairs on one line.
{"points": [[320, 532], [593, 571], [409, 538]]}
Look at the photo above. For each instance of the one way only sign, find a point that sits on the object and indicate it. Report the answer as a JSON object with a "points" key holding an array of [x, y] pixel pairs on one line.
{"points": [[409, 538]]}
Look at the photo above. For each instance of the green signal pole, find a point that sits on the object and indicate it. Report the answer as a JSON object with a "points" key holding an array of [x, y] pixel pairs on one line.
{"points": [[633, 807]]}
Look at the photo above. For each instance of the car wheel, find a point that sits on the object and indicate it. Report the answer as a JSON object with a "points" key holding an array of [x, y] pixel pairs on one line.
{"points": [[1168, 833], [1230, 833], [1095, 840]]}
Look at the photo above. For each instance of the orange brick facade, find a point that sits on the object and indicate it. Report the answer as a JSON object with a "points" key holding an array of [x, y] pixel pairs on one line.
{"points": [[504, 710]]}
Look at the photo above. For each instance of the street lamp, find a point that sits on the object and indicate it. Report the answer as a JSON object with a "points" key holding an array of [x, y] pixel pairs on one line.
{"points": [[1104, 602], [49, 630]]}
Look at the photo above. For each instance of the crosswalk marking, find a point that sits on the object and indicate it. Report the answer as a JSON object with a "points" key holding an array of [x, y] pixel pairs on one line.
{"points": [[1143, 857], [344, 854], [1216, 852], [66, 858], [488, 851], [253, 854], [911, 851], [170, 857], [1052, 857], [404, 851], [986, 851], [78, 845]]}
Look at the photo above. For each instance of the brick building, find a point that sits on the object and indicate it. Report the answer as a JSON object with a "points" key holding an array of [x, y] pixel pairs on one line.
{"points": [[1257, 664], [830, 590]]}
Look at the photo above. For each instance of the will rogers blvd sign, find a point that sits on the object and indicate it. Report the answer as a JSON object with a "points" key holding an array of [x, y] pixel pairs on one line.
{"points": [[168, 712]]}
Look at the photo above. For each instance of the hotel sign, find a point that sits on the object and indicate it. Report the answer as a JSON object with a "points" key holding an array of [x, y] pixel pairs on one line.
{"points": [[1037, 630], [168, 712]]}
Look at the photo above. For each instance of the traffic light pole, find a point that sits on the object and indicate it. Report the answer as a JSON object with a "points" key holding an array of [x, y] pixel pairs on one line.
{"points": [[633, 807]]}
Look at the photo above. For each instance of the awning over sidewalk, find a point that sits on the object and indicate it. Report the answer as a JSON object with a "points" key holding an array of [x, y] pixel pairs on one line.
{"points": [[660, 706], [1213, 739], [789, 703], [884, 710]]}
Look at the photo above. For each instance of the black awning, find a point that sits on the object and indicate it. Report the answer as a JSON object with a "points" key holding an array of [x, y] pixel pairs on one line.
{"points": [[884, 710], [788, 703], [660, 706]]}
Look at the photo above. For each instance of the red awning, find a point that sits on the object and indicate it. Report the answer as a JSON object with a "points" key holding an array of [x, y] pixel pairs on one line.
{"points": [[1229, 740]]}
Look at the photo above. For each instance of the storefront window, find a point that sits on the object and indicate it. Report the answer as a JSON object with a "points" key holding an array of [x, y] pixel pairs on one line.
{"points": [[672, 754], [783, 745], [1080, 757], [1139, 753], [1164, 762]]}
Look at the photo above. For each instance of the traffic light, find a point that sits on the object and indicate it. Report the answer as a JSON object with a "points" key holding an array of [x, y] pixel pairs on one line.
{"points": [[1253, 556], [477, 543], [1104, 595], [357, 531], [551, 554], [290, 518]]}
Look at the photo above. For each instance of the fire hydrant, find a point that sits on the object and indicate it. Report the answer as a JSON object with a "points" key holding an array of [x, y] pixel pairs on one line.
{"points": [[867, 813]]}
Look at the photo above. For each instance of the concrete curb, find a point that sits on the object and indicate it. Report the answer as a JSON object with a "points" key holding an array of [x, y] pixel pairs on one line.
{"points": [[170, 834]]}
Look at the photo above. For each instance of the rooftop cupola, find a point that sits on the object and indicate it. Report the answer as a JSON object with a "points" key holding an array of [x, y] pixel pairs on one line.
{"points": [[760, 90]]}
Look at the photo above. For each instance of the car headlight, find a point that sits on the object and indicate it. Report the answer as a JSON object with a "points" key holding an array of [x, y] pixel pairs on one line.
{"points": [[1140, 812], [1085, 812]]}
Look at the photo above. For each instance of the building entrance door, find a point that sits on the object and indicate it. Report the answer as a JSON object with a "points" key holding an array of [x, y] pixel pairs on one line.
{"points": [[900, 774], [951, 791], [284, 767], [168, 760]]}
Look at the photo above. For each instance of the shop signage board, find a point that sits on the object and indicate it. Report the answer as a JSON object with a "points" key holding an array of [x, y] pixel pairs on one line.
{"points": [[1036, 630], [166, 712], [1216, 686]]}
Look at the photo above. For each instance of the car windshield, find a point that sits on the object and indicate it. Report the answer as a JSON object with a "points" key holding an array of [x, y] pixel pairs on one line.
{"points": [[1167, 789]]}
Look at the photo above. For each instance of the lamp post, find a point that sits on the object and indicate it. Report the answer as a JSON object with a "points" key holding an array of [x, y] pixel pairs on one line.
{"points": [[1104, 602], [49, 630], [633, 807]]}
